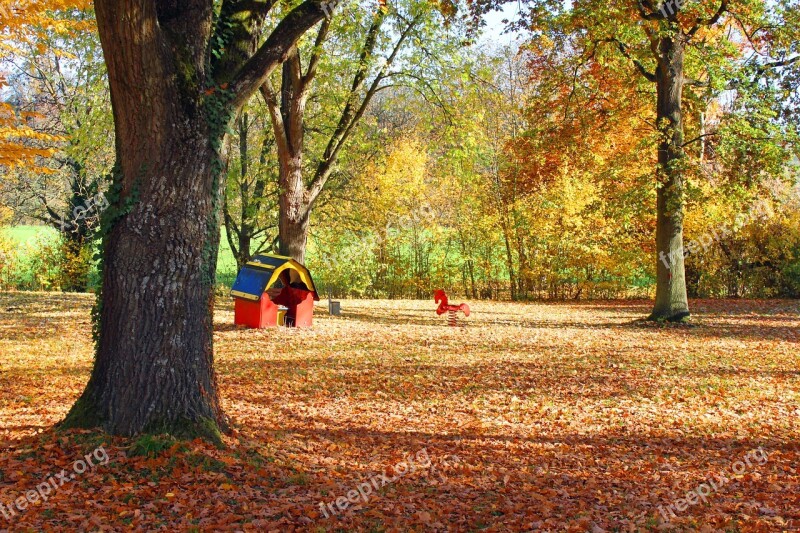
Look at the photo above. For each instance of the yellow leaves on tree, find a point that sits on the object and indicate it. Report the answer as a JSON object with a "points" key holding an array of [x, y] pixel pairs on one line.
{"points": [[397, 183], [24, 22], [21, 19]]}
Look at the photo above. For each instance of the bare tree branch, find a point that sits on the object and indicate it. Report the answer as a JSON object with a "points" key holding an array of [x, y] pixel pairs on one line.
{"points": [[274, 51], [699, 23], [653, 14]]}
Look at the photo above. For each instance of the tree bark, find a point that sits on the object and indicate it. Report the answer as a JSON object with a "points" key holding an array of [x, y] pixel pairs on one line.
{"points": [[512, 279], [154, 369], [671, 297], [297, 199], [668, 44], [295, 212], [295, 202]]}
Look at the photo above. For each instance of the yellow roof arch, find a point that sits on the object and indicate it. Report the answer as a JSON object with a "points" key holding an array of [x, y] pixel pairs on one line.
{"points": [[264, 271]]}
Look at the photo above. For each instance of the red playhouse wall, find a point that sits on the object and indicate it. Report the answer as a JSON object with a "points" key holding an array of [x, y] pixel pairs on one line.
{"points": [[257, 315], [304, 313], [264, 314]]}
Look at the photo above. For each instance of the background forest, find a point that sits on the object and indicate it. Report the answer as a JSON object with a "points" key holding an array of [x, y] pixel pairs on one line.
{"points": [[401, 150]]}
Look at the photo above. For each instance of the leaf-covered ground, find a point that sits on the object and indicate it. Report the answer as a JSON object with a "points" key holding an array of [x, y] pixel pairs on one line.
{"points": [[544, 417]]}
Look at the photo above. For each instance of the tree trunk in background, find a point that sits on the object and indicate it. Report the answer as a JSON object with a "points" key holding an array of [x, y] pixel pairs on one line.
{"points": [[154, 369], [295, 214], [502, 209], [671, 298], [297, 199], [523, 273], [288, 124], [242, 252], [245, 234], [76, 227], [512, 278], [244, 229], [76, 263]]}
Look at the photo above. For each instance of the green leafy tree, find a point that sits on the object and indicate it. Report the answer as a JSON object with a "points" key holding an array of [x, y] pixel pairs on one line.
{"points": [[396, 44], [250, 195], [60, 81]]}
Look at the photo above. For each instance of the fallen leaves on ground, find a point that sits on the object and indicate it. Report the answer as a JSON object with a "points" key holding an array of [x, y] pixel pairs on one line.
{"points": [[552, 417]]}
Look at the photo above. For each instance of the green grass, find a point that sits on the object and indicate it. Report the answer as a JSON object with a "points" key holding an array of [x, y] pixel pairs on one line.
{"points": [[22, 235], [25, 238], [226, 263], [151, 445]]}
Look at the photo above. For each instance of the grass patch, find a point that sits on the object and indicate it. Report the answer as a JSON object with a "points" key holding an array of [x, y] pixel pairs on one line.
{"points": [[154, 445]]}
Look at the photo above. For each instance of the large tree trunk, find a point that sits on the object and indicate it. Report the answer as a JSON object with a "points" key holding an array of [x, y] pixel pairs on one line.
{"points": [[671, 298], [154, 370], [155, 366]]}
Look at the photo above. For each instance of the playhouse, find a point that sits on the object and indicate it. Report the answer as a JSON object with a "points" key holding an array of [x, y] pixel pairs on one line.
{"points": [[253, 306]]}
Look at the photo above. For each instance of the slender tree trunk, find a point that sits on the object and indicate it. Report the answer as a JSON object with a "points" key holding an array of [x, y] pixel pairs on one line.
{"points": [[242, 233], [294, 209], [671, 298], [288, 117], [298, 199], [245, 227], [512, 279], [474, 292], [523, 275], [504, 226], [294, 237]]}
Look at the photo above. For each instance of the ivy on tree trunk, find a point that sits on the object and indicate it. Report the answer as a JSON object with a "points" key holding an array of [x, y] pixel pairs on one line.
{"points": [[178, 72]]}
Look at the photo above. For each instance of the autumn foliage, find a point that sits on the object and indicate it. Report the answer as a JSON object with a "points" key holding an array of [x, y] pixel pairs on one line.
{"points": [[506, 175], [21, 144], [535, 417]]}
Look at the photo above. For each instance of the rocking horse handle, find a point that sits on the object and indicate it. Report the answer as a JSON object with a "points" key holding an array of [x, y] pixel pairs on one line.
{"points": [[440, 296]]}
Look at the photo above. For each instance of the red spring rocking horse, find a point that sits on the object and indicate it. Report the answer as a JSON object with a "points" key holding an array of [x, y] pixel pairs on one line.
{"points": [[440, 297]]}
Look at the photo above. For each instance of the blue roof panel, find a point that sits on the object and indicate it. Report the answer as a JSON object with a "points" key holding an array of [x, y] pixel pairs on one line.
{"points": [[251, 282]]}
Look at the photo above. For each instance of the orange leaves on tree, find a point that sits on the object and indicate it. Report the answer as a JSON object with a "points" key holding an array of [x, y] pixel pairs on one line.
{"points": [[23, 22]]}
